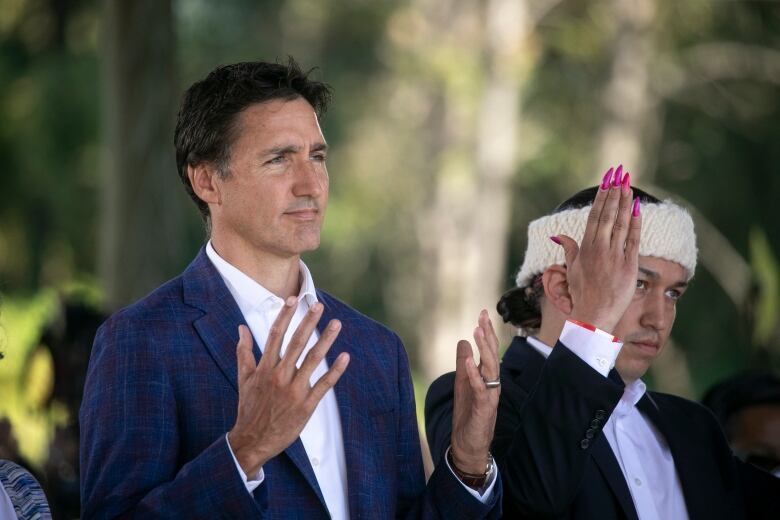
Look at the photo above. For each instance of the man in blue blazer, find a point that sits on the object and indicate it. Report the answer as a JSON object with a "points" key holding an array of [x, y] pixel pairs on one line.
{"points": [[238, 389]]}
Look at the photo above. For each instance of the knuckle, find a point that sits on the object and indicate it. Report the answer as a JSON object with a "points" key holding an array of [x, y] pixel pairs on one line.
{"points": [[605, 217]]}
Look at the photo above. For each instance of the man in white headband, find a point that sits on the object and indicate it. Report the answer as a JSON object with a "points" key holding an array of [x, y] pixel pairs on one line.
{"points": [[578, 435]]}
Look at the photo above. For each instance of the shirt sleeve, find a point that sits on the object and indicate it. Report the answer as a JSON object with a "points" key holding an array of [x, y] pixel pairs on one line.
{"points": [[257, 478], [486, 493], [597, 348]]}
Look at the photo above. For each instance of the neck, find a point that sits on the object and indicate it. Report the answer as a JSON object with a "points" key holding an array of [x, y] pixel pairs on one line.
{"points": [[280, 275], [550, 331]]}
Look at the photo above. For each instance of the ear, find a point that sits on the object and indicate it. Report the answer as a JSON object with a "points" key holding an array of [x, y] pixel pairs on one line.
{"points": [[556, 288], [203, 178]]}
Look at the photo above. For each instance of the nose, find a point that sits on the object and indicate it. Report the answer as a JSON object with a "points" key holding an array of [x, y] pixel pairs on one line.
{"points": [[310, 179], [657, 312]]}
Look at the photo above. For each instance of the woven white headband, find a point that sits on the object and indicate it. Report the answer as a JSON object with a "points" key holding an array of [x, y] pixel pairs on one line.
{"points": [[667, 232]]}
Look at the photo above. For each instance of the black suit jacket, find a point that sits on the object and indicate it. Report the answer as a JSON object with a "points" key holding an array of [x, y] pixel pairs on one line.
{"points": [[556, 464]]}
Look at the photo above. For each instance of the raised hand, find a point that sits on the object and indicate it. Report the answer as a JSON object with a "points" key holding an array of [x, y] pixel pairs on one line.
{"points": [[474, 414], [275, 399], [601, 272]]}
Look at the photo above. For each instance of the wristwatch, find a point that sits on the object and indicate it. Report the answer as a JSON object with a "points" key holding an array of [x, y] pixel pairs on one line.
{"points": [[473, 480]]}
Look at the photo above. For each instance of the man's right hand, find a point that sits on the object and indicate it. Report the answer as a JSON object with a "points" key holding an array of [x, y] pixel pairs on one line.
{"points": [[602, 272], [275, 398]]}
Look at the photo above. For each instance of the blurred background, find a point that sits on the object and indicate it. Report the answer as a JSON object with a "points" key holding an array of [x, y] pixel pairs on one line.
{"points": [[454, 124]]}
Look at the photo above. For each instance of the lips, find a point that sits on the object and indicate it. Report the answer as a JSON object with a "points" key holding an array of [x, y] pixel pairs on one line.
{"points": [[648, 346], [303, 214]]}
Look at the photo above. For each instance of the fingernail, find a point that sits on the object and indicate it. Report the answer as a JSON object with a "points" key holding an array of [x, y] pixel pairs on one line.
{"points": [[607, 177], [626, 185], [335, 325], [556, 240], [635, 209], [618, 176], [290, 301], [316, 307]]}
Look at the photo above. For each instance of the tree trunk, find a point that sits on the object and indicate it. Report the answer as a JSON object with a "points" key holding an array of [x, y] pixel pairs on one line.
{"points": [[465, 237], [142, 212], [628, 102]]}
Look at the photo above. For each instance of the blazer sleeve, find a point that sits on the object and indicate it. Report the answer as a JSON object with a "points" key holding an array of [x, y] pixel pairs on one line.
{"points": [[541, 441], [444, 497], [130, 464]]}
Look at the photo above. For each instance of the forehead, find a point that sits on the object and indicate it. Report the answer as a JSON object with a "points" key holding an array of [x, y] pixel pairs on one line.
{"points": [[667, 271], [278, 119]]}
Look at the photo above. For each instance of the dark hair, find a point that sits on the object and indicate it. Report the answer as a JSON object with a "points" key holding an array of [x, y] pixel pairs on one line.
{"points": [[521, 306], [206, 125], [729, 397]]}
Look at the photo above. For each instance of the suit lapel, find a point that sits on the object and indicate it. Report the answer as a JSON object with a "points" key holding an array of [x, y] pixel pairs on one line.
{"points": [[605, 459], [218, 328], [684, 456], [348, 400]]}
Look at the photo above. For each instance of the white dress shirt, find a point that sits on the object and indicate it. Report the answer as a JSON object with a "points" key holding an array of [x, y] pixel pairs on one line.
{"points": [[641, 451], [321, 436]]}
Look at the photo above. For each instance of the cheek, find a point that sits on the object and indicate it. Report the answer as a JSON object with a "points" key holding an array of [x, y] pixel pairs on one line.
{"points": [[629, 322]]}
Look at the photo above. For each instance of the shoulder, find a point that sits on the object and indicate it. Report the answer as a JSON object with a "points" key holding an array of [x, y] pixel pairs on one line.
{"points": [[685, 411], [159, 318], [154, 312], [159, 303]]}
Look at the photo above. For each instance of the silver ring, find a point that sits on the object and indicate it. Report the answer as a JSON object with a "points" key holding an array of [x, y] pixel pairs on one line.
{"points": [[492, 384]]}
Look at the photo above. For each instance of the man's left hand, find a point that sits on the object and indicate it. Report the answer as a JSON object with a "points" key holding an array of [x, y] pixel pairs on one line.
{"points": [[474, 414]]}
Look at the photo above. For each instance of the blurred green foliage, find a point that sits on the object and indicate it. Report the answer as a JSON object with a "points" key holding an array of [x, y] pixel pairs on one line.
{"points": [[26, 373]]}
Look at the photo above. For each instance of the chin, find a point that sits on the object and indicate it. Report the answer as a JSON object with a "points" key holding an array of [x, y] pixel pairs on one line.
{"points": [[634, 369]]}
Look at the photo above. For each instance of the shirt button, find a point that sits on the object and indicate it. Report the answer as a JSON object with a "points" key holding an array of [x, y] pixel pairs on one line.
{"points": [[637, 482], [600, 414], [315, 462], [601, 361]]}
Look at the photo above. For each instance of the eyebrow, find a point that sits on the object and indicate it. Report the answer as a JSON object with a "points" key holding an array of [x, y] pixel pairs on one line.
{"points": [[283, 150], [655, 276]]}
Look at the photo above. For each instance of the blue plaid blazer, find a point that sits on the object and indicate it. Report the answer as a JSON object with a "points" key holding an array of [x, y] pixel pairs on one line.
{"points": [[161, 393]]}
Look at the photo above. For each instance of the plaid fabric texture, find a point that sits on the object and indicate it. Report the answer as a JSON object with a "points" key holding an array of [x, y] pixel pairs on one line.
{"points": [[24, 491], [161, 393]]}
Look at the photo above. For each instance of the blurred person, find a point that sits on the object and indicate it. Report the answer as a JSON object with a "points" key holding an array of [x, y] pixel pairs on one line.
{"points": [[68, 336], [21, 496], [238, 389], [578, 435], [748, 408]]}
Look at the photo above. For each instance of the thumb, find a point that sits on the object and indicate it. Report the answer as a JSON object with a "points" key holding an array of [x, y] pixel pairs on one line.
{"points": [[464, 352], [569, 245]]}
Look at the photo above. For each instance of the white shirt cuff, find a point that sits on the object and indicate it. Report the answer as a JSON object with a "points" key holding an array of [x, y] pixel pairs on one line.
{"points": [[258, 477], [487, 492], [597, 348]]}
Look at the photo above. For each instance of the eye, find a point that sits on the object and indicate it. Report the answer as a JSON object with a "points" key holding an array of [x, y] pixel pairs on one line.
{"points": [[641, 285], [318, 157], [279, 159], [673, 294]]}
